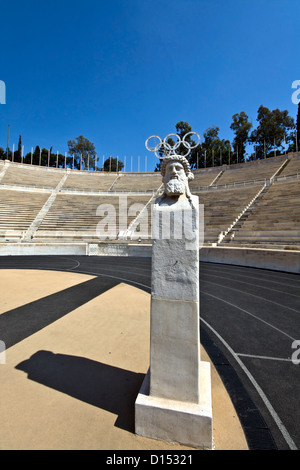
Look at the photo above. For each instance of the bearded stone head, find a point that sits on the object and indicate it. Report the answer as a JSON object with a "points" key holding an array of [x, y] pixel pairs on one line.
{"points": [[176, 173]]}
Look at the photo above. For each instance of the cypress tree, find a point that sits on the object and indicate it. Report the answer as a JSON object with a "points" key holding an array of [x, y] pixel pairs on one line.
{"points": [[19, 151]]}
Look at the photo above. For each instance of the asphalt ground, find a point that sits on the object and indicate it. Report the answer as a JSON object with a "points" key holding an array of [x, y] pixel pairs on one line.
{"points": [[249, 323]]}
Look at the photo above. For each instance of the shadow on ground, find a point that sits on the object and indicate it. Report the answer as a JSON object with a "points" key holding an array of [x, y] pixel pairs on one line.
{"points": [[107, 387], [21, 322]]}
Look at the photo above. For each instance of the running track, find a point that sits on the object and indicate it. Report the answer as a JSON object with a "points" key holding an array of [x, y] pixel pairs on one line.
{"points": [[249, 321]]}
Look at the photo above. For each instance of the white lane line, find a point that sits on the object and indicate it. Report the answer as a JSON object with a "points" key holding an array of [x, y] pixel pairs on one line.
{"points": [[262, 278], [143, 274], [248, 293], [126, 281], [249, 313], [57, 268], [261, 393], [71, 259], [256, 285], [254, 356]]}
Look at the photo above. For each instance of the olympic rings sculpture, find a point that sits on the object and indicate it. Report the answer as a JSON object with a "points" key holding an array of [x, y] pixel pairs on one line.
{"points": [[168, 150]]}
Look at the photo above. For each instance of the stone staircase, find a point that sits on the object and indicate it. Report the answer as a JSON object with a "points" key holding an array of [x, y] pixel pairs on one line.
{"points": [[29, 234], [229, 235], [280, 170], [213, 183], [114, 183], [4, 168], [131, 233]]}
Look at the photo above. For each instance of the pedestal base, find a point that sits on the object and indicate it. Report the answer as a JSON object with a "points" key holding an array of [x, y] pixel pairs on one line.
{"points": [[176, 421]]}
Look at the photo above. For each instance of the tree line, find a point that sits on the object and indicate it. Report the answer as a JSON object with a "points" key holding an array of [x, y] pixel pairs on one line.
{"points": [[276, 133], [81, 155]]}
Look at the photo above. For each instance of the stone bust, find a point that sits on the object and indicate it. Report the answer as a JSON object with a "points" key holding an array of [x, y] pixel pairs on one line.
{"points": [[176, 174], [176, 212]]}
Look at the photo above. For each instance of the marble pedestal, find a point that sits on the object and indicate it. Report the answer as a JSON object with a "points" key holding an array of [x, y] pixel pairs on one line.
{"points": [[182, 422], [174, 403]]}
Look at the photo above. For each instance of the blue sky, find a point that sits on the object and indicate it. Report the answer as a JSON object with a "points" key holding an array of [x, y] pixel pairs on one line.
{"points": [[119, 71]]}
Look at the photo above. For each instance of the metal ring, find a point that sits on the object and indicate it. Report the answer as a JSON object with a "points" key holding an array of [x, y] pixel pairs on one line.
{"points": [[163, 147], [168, 149], [176, 145], [158, 156], [186, 154], [187, 144], [157, 147]]}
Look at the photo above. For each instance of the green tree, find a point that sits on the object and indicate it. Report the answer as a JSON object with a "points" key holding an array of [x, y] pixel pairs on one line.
{"points": [[52, 158], [183, 128], [36, 156], [27, 158], [84, 152], [18, 153], [44, 157], [48, 158], [113, 164], [3, 154], [241, 128], [273, 130], [213, 150], [59, 160]]}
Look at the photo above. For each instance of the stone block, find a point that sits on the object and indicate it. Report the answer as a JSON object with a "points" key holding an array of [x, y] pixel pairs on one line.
{"points": [[175, 270], [176, 421], [175, 349]]}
